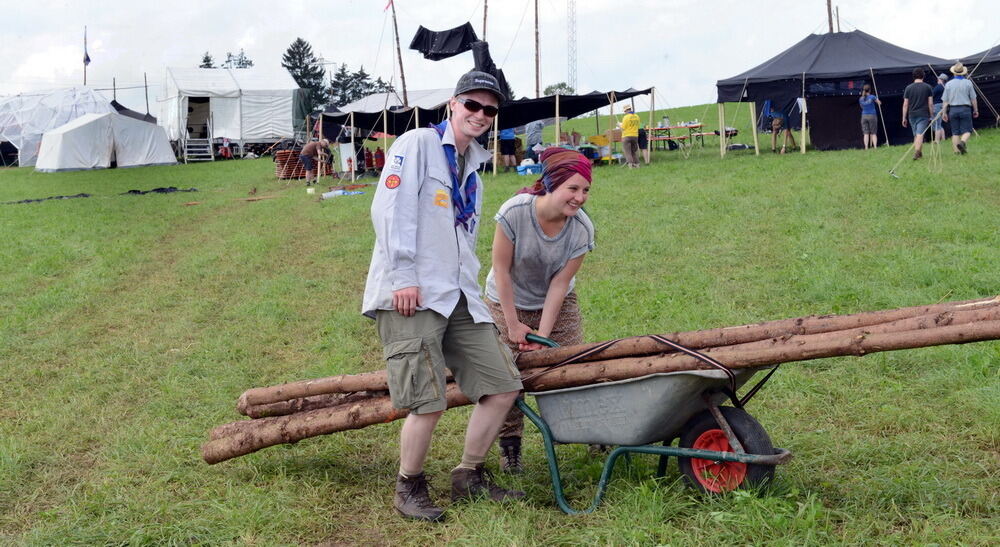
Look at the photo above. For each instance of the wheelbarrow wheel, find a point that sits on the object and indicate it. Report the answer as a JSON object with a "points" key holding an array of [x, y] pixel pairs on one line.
{"points": [[703, 432]]}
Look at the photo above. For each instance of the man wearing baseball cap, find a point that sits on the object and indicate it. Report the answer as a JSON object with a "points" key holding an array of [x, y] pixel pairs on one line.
{"points": [[423, 292]]}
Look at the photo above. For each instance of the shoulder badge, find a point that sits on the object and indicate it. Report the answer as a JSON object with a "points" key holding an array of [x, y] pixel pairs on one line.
{"points": [[392, 181]]}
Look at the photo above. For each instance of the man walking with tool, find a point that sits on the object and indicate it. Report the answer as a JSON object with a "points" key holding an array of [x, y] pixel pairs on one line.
{"points": [[424, 294], [917, 107]]}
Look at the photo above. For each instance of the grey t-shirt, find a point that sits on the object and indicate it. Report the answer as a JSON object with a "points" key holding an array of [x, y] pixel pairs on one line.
{"points": [[534, 131], [538, 257], [918, 93]]}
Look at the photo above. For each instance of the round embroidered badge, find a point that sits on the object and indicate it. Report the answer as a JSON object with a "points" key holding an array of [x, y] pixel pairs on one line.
{"points": [[392, 181]]}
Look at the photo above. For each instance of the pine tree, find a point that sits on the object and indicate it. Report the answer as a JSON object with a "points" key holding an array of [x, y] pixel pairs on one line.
{"points": [[306, 71], [346, 87], [240, 60], [207, 61]]}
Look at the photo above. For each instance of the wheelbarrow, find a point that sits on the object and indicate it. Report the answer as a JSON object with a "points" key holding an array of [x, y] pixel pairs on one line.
{"points": [[721, 448]]}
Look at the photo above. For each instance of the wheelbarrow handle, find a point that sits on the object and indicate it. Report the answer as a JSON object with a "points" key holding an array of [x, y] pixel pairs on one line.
{"points": [[531, 337]]}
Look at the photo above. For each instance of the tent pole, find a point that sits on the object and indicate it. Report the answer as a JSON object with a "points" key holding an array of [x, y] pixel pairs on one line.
{"points": [[385, 131], [538, 78], [496, 143], [802, 107], [399, 55], [114, 90], [611, 122], [416, 113], [885, 130], [722, 130], [558, 125], [753, 127], [354, 153], [652, 112], [145, 84], [322, 163], [597, 119]]}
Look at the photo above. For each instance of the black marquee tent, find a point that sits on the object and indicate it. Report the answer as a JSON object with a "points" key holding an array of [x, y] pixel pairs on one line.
{"points": [[829, 69], [985, 71]]}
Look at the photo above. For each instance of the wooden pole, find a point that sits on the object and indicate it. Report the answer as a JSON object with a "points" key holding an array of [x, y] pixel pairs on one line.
{"points": [[385, 131], [722, 130], [558, 125], [652, 112], [802, 107], [753, 127], [838, 18], [85, 54], [485, 8], [399, 54], [354, 153], [322, 163], [114, 90], [885, 130], [829, 14], [611, 125], [496, 143], [416, 117], [145, 85], [538, 77]]}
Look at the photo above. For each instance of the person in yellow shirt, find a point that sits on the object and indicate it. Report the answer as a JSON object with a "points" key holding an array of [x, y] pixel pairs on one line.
{"points": [[630, 138]]}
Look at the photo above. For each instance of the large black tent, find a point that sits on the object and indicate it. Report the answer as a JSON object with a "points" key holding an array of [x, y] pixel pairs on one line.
{"points": [[984, 68], [829, 70]]}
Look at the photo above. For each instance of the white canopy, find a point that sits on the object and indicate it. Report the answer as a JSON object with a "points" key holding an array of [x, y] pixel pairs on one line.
{"points": [[25, 117], [242, 104], [92, 141]]}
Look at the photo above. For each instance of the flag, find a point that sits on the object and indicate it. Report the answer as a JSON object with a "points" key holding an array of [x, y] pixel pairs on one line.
{"points": [[86, 57]]}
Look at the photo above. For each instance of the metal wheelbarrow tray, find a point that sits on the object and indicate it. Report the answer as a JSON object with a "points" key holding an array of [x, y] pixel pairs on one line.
{"points": [[721, 448]]}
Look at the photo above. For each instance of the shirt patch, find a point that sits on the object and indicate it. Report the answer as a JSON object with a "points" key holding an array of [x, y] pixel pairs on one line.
{"points": [[397, 163], [392, 181], [441, 198]]}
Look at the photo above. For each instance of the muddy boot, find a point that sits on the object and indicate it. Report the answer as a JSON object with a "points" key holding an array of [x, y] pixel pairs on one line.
{"points": [[917, 155], [510, 455], [476, 483], [413, 501], [961, 147]]}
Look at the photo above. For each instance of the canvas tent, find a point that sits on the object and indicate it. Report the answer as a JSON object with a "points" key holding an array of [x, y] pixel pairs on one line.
{"points": [[243, 105], [984, 68], [94, 141], [24, 118], [829, 70]]}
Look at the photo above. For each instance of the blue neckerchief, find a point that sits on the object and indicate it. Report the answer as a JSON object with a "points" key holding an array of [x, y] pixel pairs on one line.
{"points": [[959, 77], [465, 206]]}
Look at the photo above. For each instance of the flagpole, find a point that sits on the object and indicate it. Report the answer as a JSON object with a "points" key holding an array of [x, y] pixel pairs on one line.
{"points": [[85, 55]]}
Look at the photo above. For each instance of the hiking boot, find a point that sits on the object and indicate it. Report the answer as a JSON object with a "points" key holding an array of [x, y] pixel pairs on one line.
{"points": [[917, 155], [413, 501], [510, 455], [961, 147], [478, 482]]}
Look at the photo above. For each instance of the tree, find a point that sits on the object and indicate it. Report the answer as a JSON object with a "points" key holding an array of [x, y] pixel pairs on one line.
{"points": [[240, 60], [207, 61], [561, 88], [306, 70], [347, 87]]}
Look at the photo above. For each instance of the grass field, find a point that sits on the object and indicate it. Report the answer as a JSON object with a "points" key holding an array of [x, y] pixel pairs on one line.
{"points": [[130, 324]]}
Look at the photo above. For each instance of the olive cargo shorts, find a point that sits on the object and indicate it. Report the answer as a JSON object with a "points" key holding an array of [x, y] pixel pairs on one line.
{"points": [[417, 349]]}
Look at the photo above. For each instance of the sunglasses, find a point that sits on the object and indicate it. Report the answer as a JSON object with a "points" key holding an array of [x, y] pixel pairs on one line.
{"points": [[475, 106]]}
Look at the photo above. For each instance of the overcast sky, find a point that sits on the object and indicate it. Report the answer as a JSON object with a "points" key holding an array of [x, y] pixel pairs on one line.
{"points": [[679, 46]]}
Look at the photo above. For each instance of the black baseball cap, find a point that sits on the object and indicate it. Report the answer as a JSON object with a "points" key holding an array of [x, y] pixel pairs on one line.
{"points": [[474, 80]]}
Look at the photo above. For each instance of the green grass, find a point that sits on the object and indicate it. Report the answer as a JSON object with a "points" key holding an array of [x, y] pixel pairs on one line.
{"points": [[130, 324]]}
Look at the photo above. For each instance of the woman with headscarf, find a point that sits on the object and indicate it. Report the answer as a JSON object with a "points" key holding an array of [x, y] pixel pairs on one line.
{"points": [[541, 238]]}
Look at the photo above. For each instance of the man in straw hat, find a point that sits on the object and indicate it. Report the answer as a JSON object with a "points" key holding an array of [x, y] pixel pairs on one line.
{"points": [[959, 106], [423, 292]]}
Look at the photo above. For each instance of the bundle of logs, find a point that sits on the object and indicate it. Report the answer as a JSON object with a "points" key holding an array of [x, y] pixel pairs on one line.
{"points": [[291, 412]]}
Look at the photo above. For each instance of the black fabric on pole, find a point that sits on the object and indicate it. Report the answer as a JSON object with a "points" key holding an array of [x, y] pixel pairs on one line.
{"points": [[986, 65], [443, 44], [835, 66], [125, 111], [484, 62]]}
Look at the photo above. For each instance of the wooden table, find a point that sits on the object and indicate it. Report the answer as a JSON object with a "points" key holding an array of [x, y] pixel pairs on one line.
{"points": [[676, 133]]}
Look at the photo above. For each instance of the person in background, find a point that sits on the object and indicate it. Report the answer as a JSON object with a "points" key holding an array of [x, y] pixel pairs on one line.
{"points": [[959, 106], [917, 108], [779, 124], [507, 149], [423, 292], [541, 238], [630, 137], [869, 116], [643, 142], [937, 122], [312, 153], [534, 138]]}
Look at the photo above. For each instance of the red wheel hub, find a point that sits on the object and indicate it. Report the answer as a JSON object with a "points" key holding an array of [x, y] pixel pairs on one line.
{"points": [[717, 476]]}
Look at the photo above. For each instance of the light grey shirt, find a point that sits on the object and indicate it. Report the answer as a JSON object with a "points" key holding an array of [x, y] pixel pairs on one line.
{"points": [[417, 243], [534, 132], [959, 92], [538, 257]]}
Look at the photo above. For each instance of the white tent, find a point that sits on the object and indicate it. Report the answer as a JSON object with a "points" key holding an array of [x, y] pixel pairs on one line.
{"points": [[244, 104], [93, 141], [25, 117]]}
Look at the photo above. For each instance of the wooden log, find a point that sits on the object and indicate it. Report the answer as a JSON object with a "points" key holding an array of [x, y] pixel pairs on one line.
{"points": [[295, 427], [639, 345], [796, 348], [725, 336], [283, 408]]}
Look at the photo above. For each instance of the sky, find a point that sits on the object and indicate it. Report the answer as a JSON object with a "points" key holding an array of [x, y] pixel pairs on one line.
{"points": [[680, 47]]}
